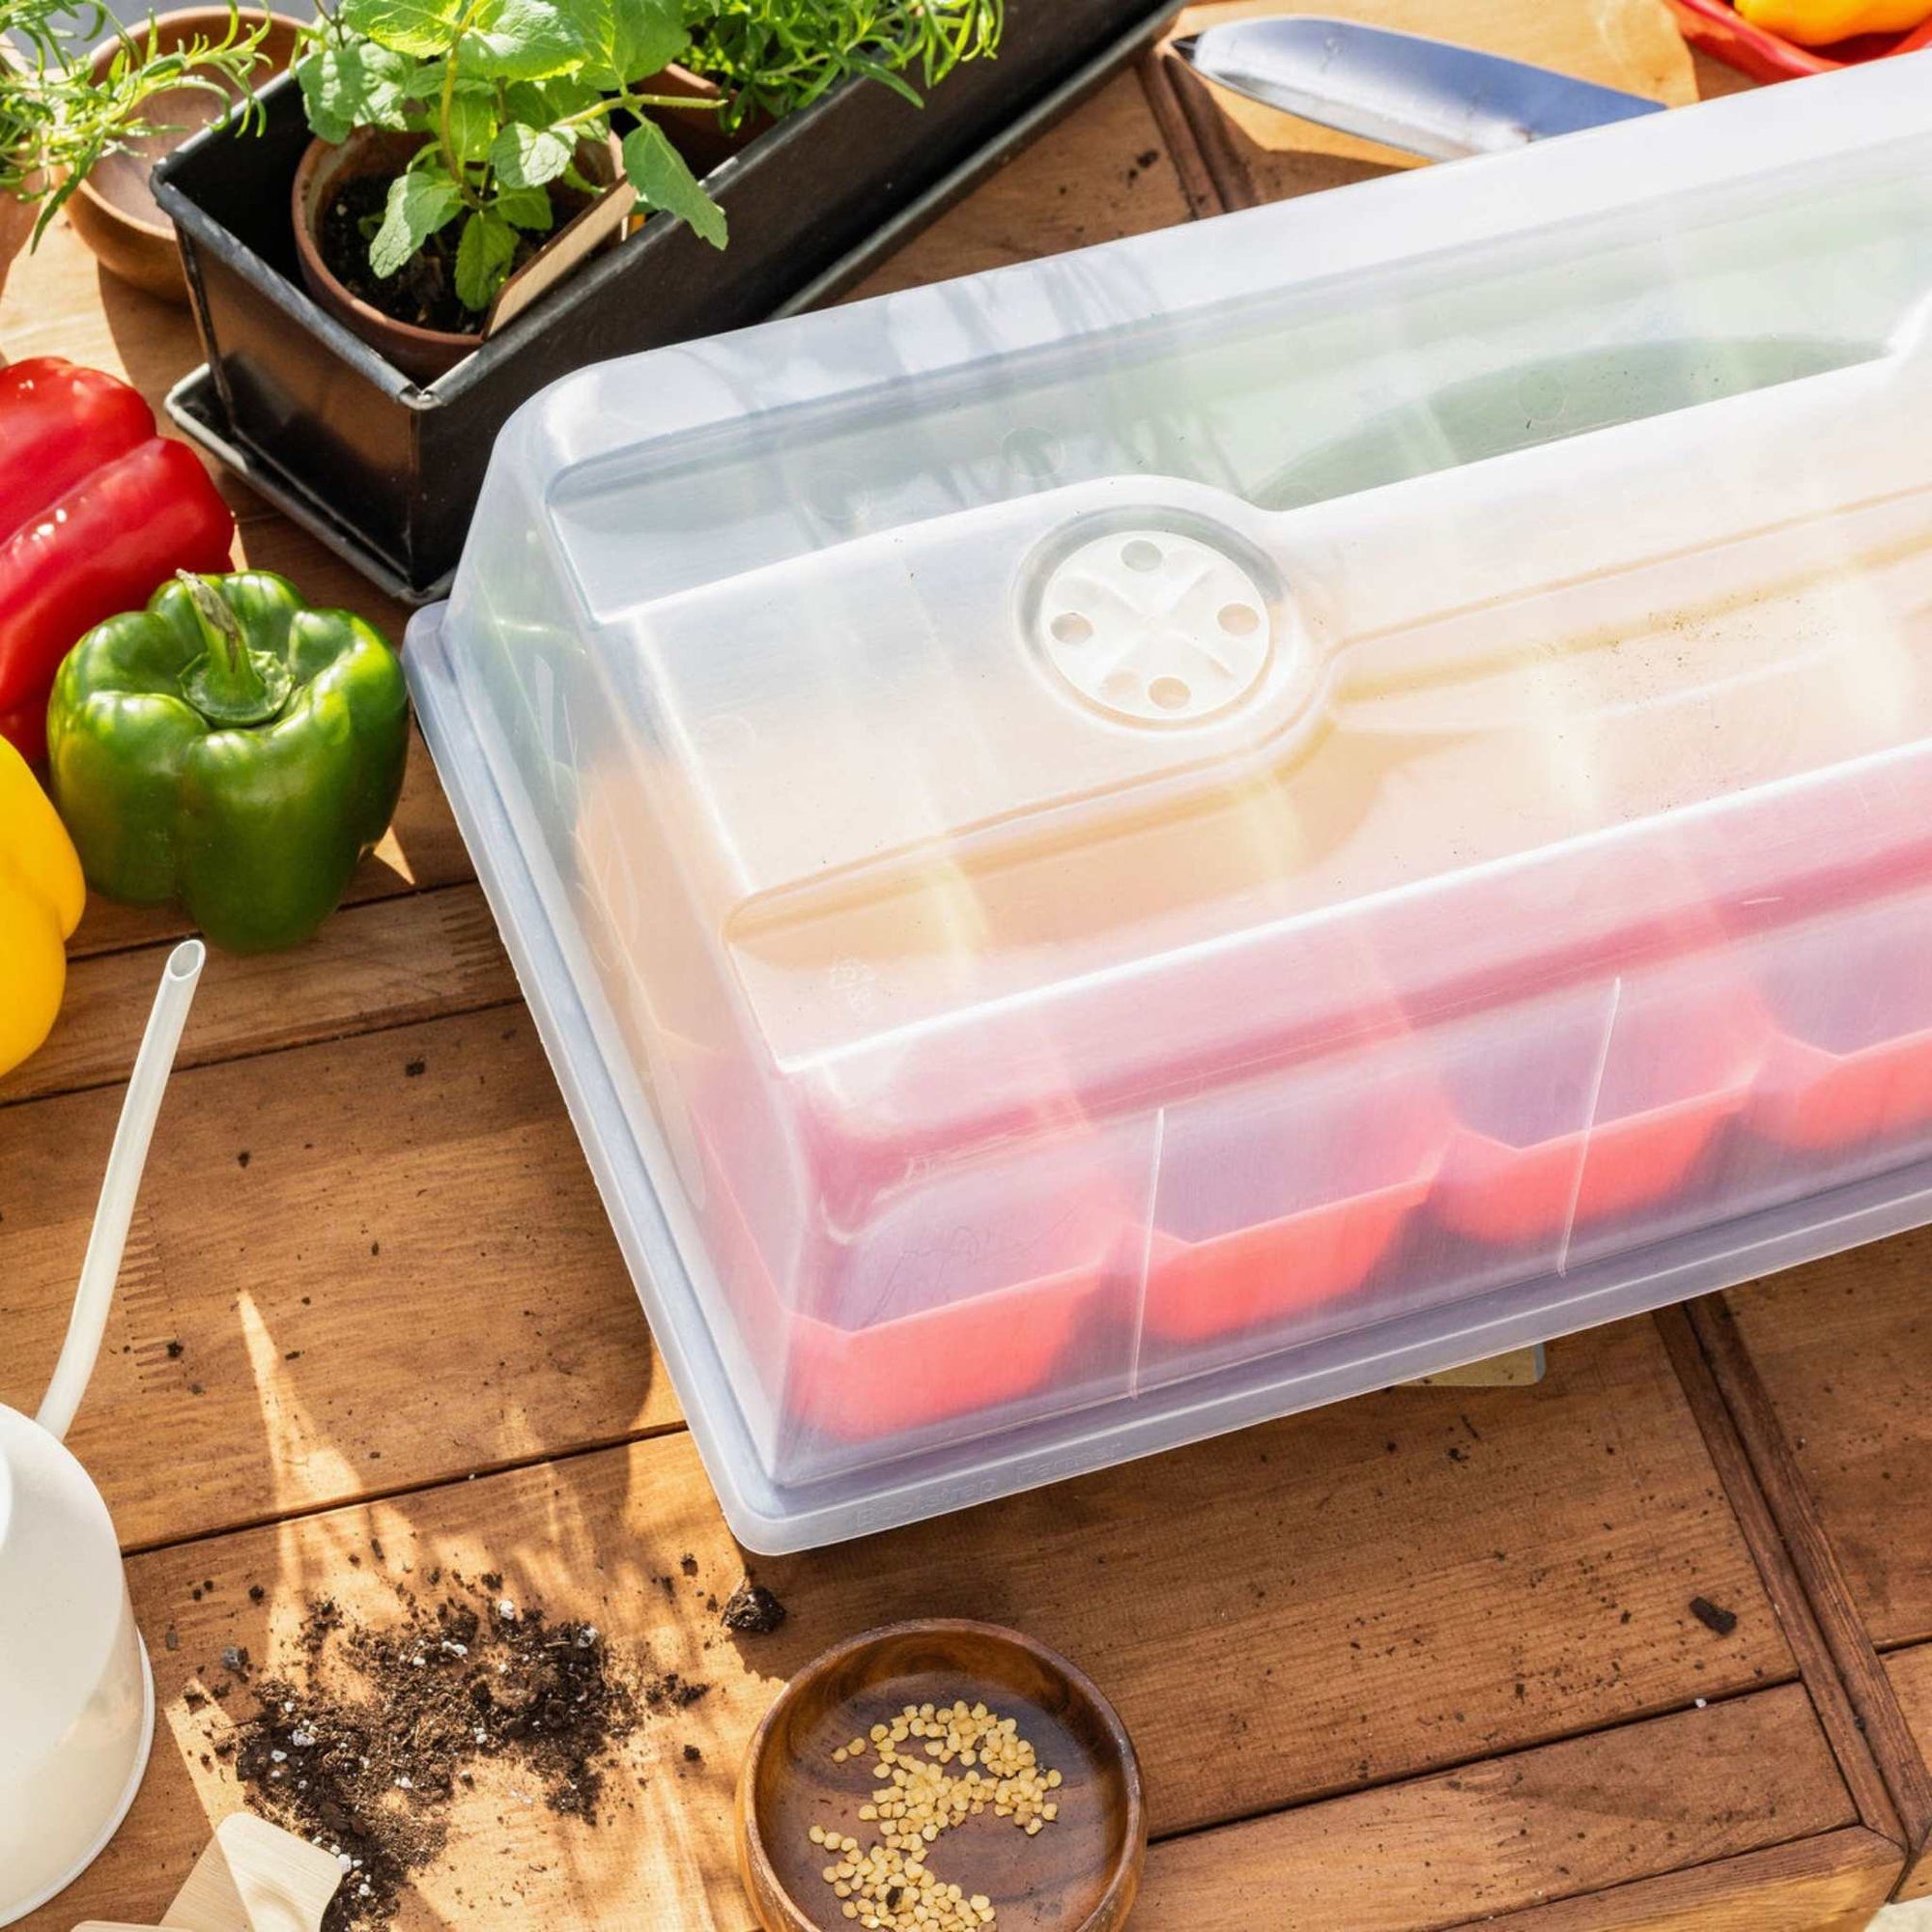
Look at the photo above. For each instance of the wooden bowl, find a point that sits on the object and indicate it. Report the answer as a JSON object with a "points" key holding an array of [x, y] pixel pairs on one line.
{"points": [[113, 210], [1078, 1874]]}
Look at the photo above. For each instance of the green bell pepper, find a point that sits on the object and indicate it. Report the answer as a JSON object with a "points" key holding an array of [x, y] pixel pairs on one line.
{"points": [[232, 748]]}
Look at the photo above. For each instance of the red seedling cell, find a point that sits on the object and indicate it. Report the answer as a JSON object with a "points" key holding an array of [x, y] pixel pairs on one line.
{"points": [[1816, 1099], [935, 1366], [1851, 1002], [1276, 1201], [1596, 1103], [964, 1290], [1269, 1272]]}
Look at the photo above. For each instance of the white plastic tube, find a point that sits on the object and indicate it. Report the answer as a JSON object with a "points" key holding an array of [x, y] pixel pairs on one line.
{"points": [[116, 1209]]}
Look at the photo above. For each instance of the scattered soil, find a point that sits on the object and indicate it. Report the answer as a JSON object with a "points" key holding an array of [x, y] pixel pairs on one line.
{"points": [[679, 1693], [365, 1745], [1714, 1618], [751, 1610], [422, 292]]}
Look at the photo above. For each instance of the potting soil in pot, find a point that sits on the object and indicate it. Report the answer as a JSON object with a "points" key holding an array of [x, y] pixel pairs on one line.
{"points": [[1078, 898], [422, 292]]}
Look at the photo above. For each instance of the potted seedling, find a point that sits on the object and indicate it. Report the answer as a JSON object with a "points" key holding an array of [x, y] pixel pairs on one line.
{"points": [[64, 108], [489, 128], [458, 141]]}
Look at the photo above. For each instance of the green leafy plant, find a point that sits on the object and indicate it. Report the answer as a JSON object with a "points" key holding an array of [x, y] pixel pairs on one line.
{"points": [[504, 92], [775, 56], [57, 122]]}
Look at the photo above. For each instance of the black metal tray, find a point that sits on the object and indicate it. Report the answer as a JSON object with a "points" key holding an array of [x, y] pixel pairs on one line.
{"points": [[387, 473]]}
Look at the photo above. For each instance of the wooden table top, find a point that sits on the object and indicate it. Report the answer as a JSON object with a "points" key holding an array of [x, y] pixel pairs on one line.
{"points": [[1425, 1660]]}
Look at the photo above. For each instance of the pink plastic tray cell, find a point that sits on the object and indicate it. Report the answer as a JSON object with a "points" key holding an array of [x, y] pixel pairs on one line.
{"points": [[935, 1366], [1595, 1101], [959, 1294], [1849, 1000], [1276, 1201]]}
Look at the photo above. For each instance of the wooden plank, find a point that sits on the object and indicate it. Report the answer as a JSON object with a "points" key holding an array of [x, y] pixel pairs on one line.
{"points": [[1103, 173], [372, 967], [1556, 1509], [422, 848], [60, 302], [1560, 1821], [1226, 152], [1881, 1721], [1257, 154], [1518, 1369], [1911, 1674], [1831, 1884], [411, 1278], [1534, 1555], [1177, 133], [1842, 1718], [1842, 1350]]}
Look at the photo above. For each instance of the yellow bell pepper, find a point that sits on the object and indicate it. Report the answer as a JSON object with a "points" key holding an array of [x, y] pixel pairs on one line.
{"points": [[41, 894], [1818, 23]]}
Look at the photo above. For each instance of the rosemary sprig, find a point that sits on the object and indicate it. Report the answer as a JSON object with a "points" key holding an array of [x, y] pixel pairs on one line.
{"points": [[57, 121], [776, 56]]}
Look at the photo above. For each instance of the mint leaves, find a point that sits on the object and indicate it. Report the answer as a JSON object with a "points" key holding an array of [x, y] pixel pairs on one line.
{"points": [[657, 171], [420, 28], [521, 40], [526, 157], [419, 205], [357, 86], [483, 257], [631, 37], [508, 94]]}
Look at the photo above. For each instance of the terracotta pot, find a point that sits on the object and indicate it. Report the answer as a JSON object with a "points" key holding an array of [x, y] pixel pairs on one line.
{"points": [[113, 210], [421, 353]]}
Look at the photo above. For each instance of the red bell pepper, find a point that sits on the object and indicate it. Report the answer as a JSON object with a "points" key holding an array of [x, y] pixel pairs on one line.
{"points": [[59, 424], [96, 512]]}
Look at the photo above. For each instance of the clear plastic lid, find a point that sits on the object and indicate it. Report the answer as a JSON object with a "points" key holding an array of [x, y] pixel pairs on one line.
{"points": [[1250, 801]]}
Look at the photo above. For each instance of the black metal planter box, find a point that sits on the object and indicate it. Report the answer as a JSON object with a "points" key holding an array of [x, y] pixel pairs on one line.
{"points": [[388, 473]]}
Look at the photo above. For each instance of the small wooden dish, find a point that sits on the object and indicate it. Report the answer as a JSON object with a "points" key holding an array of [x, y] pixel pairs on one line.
{"points": [[1079, 1874]]}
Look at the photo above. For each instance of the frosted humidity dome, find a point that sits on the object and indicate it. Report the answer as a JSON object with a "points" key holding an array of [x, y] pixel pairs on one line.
{"points": [[1130, 844]]}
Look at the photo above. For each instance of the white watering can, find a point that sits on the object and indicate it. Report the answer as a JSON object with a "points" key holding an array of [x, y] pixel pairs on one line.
{"points": [[76, 1698]]}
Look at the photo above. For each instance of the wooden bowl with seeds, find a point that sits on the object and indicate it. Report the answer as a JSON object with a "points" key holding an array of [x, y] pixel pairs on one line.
{"points": [[992, 1787]]}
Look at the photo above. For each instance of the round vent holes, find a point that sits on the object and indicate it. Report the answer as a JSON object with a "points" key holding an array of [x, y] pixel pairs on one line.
{"points": [[1156, 627]]}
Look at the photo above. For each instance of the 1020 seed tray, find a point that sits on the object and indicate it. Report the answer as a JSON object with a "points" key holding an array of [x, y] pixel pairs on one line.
{"points": [[1157, 837]]}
